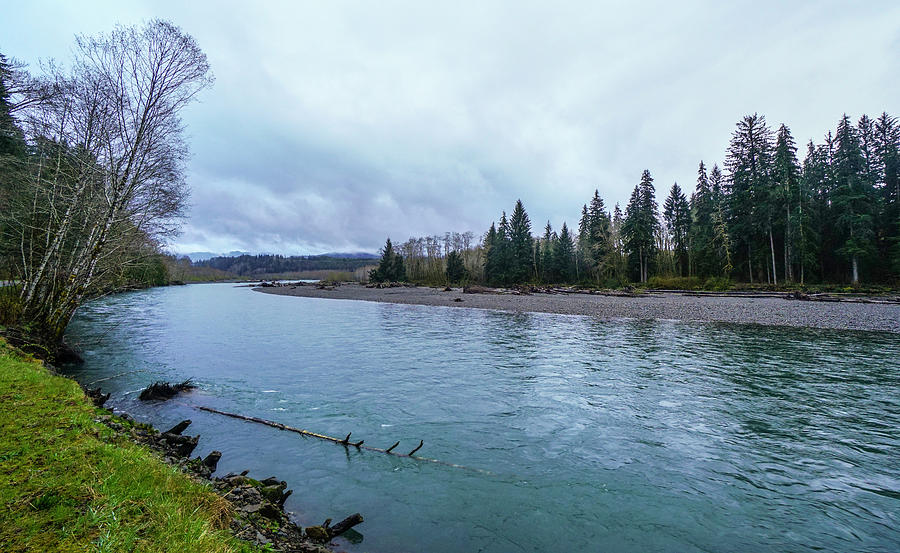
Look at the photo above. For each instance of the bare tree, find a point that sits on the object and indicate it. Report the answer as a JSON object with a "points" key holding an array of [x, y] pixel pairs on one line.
{"points": [[107, 176]]}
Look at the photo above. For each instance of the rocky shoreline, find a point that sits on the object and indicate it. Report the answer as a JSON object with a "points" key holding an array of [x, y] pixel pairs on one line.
{"points": [[258, 514], [866, 314]]}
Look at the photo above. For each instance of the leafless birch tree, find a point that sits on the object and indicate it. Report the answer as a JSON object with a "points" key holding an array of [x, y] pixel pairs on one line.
{"points": [[106, 178]]}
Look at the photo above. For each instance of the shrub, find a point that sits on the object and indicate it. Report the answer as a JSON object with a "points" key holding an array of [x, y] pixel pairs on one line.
{"points": [[675, 283], [718, 284]]}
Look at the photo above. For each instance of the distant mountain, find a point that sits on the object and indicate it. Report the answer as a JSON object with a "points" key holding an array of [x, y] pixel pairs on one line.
{"points": [[205, 256], [350, 255]]}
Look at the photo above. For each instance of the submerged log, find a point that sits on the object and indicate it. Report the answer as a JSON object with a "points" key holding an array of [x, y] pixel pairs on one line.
{"points": [[344, 525], [179, 428], [344, 442], [211, 461], [164, 390]]}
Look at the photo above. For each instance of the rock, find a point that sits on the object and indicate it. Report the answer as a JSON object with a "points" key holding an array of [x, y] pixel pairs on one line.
{"points": [[261, 539], [250, 508], [270, 511], [181, 445], [273, 492], [317, 534], [272, 481]]}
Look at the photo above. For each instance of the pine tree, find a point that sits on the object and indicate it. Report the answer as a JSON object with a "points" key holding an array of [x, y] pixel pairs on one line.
{"points": [[618, 249], [390, 267], [456, 270], [583, 249], [491, 254], [751, 202], [640, 227], [852, 199], [549, 273], [786, 182], [599, 235], [702, 207], [722, 243], [520, 246], [887, 150], [806, 236], [12, 140], [677, 215], [564, 255]]}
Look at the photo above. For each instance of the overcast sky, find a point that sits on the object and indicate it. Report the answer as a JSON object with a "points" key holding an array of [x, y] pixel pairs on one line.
{"points": [[333, 125]]}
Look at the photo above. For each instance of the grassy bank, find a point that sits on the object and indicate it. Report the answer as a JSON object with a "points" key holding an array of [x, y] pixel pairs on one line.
{"points": [[67, 484]]}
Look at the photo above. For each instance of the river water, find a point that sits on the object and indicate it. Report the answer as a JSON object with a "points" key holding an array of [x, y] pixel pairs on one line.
{"points": [[586, 435]]}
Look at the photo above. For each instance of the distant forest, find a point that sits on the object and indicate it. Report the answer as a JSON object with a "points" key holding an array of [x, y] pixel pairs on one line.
{"points": [[250, 265], [764, 217]]}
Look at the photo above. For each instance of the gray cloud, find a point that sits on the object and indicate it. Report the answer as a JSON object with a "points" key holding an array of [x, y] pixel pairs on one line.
{"points": [[334, 125]]}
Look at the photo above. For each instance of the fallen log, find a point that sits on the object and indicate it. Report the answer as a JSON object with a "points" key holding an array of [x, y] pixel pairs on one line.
{"points": [[344, 525], [341, 441], [178, 428]]}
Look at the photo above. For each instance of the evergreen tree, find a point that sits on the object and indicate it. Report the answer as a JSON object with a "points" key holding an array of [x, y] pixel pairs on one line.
{"points": [[583, 250], [618, 248], [852, 198], [677, 215], [491, 254], [887, 150], [599, 247], [640, 227], [12, 139], [549, 272], [807, 240], [751, 205], [520, 246], [786, 181], [390, 267], [702, 208], [456, 269], [564, 255], [502, 251]]}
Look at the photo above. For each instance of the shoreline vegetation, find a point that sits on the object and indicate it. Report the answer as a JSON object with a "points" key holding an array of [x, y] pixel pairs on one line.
{"points": [[78, 477], [826, 311]]}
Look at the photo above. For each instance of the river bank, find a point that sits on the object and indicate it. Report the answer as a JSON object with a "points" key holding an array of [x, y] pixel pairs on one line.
{"points": [[77, 477], [755, 310]]}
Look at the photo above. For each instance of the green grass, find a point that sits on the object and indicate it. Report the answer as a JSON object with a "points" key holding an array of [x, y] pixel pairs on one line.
{"points": [[67, 483]]}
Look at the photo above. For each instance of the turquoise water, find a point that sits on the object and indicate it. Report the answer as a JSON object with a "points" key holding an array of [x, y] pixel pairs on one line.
{"points": [[627, 436]]}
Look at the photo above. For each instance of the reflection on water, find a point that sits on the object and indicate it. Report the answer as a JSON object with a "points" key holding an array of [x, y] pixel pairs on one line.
{"points": [[600, 435]]}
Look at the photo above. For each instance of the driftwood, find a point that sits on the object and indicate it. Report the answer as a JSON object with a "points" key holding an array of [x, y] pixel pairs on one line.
{"points": [[97, 396], [164, 390], [343, 525], [344, 442], [179, 428]]}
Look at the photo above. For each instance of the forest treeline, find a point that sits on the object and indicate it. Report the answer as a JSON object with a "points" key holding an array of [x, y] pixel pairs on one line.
{"points": [[765, 216], [267, 264], [92, 164]]}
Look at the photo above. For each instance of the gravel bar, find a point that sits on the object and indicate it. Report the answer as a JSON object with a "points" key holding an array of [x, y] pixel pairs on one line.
{"points": [[762, 310]]}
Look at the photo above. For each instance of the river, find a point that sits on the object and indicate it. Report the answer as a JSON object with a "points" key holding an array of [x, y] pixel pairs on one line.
{"points": [[576, 434]]}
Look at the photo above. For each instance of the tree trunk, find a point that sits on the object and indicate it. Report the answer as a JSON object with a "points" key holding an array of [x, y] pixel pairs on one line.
{"points": [[855, 270], [788, 265], [772, 246], [750, 262]]}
